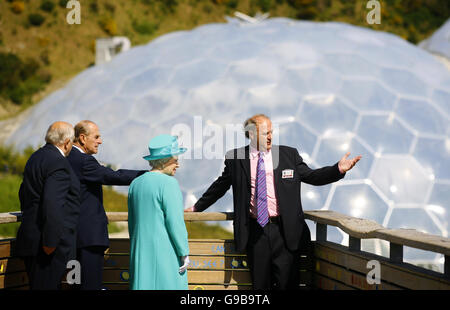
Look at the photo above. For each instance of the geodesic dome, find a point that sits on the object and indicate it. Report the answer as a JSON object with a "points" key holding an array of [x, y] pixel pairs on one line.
{"points": [[439, 42], [328, 87]]}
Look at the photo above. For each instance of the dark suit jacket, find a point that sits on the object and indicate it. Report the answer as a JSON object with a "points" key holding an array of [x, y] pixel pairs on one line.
{"points": [[237, 174], [92, 227], [49, 200]]}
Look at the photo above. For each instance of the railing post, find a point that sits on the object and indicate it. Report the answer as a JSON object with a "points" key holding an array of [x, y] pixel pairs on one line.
{"points": [[396, 252], [321, 232], [447, 266], [354, 244]]}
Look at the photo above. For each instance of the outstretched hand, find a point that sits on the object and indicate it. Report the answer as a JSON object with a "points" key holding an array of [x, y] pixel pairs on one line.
{"points": [[345, 164], [191, 209]]}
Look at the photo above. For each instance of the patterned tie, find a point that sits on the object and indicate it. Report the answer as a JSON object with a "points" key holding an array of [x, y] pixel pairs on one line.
{"points": [[261, 193]]}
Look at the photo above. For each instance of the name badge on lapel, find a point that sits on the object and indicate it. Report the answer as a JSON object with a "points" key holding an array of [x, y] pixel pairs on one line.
{"points": [[287, 174]]}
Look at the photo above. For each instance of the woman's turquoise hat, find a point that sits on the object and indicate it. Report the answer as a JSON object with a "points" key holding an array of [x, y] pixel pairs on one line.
{"points": [[164, 146]]}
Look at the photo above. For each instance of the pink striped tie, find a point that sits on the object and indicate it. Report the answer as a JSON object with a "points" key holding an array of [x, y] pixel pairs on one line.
{"points": [[261, 193]]}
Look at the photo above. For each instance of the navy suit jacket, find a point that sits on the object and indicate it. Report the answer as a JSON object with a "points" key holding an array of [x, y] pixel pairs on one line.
{"points": [[92, 225], [287, 190], [50, 205]]}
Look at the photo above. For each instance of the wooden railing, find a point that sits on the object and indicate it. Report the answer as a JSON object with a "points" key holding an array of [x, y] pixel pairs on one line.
{"points": [[216, 265]]}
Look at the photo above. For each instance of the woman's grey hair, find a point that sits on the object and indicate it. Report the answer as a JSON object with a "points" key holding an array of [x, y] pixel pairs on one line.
{"points": [[59, 132], [159, 163]]}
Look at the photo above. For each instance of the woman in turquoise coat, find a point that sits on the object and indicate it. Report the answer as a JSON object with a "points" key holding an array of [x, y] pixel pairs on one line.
{"points": [[158, 237]]}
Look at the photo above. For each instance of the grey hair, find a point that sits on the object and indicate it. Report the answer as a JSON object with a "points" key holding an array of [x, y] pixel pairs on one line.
{"points": [[83, 127], [59, 132], [159, 163]]}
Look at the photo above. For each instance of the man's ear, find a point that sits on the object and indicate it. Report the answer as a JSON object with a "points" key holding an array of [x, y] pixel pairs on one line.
{"points": [[67, 146], [82, 139], [250, 134]]}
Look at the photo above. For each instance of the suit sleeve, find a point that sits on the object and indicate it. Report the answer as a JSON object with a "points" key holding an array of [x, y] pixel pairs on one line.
{"points": [[96, 173], [21, 199], [216, 190], [321, 176], [174, 217], [54, 198]]}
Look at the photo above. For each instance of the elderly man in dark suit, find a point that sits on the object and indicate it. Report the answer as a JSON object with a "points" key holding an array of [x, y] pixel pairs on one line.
{"points": [[268, 217], [93, 238], [49, 200]]}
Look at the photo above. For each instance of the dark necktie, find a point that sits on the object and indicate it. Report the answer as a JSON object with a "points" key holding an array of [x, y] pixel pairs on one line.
{"points": [[262, 214]]}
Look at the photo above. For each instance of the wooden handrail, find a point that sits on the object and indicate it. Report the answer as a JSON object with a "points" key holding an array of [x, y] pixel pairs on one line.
{"points": [[355, 227], [367, 229], [188, 216]]}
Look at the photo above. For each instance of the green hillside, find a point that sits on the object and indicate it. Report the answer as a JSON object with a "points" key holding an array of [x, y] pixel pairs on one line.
{"points": [[40, 51], [9, 201]]}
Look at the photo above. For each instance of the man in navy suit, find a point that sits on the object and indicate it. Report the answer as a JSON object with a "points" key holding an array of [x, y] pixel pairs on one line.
{"points": [[268, 217], [49, 200], [93, 238]]}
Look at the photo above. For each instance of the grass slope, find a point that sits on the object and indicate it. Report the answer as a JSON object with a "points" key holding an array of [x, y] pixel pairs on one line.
{"points": [[9, 201], [65, 50]]}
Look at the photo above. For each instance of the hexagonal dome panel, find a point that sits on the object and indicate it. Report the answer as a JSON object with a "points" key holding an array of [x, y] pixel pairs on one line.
{"points": [[359, 200], [401, 178], [434, 155], [335, 146], [151, 78], [298, 136], [328, 115], [349, 64], [391, 136], [437, 206], [367, 95], [314, 197], [442, 99], [421, 116]]}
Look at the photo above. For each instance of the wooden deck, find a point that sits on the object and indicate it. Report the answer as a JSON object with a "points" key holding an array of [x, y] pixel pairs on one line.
{"points": [[216, 265]]}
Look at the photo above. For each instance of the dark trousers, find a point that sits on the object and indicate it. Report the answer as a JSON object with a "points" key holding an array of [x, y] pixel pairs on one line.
{"points": [[272, 265], [45, 272], [91, 262]]}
